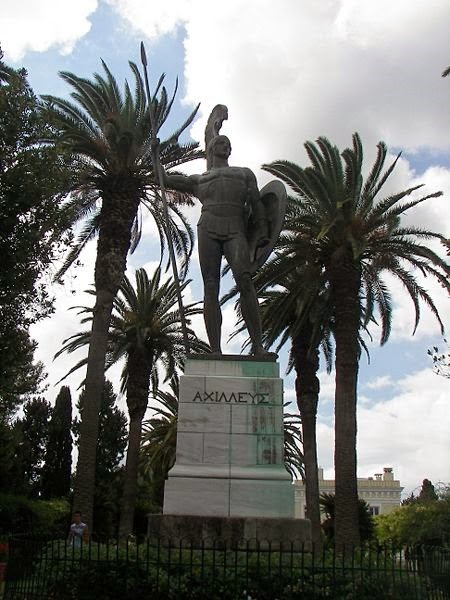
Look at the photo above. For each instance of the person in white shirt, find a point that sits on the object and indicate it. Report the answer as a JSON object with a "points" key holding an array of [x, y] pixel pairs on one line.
{"points": [[79, 532]]}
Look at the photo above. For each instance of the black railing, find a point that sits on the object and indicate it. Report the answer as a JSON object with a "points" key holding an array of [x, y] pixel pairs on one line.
{"points": [[157, 569]]}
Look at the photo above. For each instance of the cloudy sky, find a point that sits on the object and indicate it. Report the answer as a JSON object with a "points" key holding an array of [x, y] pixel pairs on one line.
{"points": [[289, 71]]}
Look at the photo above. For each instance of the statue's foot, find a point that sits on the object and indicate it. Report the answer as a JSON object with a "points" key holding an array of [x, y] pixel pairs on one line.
{"points": [[261, 351], [216, 351]]}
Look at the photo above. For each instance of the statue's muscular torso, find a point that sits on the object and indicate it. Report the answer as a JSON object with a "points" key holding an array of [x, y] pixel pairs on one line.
{"points": [[228, 196], [224, 190]]}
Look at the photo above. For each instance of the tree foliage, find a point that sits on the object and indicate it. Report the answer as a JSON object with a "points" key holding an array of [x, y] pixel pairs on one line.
{"points": [[35, 449], [19, 514], [32, 430], [441, 360], [11, 476], [427, 494], [21, 377], [110, 136], [294, 460], [56, 472], [33, 181], [159, 439], [146, 333], [342, 229], [365, 520], [110, 451], [112, 431], [145, 326], [416, 523]]}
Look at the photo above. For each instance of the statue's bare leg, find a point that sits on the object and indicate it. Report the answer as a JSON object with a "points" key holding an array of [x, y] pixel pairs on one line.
{"points": [[210, 256], [250, 311], [237, 255]]}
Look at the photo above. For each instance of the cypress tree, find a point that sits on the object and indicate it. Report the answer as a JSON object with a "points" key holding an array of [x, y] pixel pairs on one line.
{"points": [[32, 436], [58, 455]]}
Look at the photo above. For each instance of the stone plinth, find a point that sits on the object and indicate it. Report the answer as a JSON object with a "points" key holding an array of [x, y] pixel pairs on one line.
{"points": [[230, 441], [211, 531]]}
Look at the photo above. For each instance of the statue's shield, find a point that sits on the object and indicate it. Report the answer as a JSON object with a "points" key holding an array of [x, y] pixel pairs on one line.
{"points": [[274, 199]]}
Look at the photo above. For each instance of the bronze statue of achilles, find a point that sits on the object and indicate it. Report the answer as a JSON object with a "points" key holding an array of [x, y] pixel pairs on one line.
{"points": [[233, 224]]}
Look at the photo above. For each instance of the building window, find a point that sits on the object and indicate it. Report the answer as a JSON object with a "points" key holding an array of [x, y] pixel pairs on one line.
{"points": [[374, 510]]}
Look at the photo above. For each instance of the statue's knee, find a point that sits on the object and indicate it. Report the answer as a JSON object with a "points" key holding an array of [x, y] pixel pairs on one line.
{"points": [[211, 287], [244, 282]]}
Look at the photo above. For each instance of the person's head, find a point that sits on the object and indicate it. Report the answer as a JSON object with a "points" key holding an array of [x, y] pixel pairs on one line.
{"points": [[76, 516], [219, 146]]}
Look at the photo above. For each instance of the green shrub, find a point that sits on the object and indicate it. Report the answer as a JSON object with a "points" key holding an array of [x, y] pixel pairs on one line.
{"points": [[19, 514], [418, 523], [138, 572]]}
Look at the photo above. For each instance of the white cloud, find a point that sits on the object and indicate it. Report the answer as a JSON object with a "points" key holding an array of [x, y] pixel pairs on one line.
{"points": [[313, 69], [290, 397], [234, 345], [327, 385], [403, 314], [64, 323], [409, 432], [37, 26], [380, 382], [429, 215], [155, 18]]}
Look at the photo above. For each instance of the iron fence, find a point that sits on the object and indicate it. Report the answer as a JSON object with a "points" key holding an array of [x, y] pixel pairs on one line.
{"points": [[39, 568]]}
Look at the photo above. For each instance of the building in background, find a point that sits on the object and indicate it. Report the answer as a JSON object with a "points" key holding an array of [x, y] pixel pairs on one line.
{"points": [[381, 492]]}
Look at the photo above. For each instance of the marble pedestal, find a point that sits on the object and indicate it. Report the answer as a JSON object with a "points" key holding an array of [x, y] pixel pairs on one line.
{"points": [[230, 459]]}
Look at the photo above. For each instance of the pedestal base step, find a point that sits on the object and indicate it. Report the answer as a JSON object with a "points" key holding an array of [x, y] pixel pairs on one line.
{"points": [[211, 531]]}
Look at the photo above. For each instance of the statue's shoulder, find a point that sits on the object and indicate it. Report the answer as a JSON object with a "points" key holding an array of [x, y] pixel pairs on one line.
{"points": [[245, 171], [251, 177], [221, 171]]}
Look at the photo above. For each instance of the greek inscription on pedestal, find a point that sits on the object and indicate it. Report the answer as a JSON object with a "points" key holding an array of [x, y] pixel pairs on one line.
{"points": [[234, 397]]}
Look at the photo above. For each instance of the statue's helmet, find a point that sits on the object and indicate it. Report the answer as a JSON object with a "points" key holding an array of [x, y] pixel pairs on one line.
{"points": [[213, 143]]}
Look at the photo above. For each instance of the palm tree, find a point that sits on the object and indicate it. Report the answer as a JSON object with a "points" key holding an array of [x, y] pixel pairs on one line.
{"points": [[295, 312], [366, 523], [145, 332], [286, 318], [354, 238], [108, 134], [294, 461], [159, 440]]}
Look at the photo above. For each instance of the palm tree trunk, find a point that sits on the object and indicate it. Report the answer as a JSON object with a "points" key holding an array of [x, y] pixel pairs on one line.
{"points": [[130, 477], [307, 388], [118, 212], [139, 371], [85, 474], [345, 279]]}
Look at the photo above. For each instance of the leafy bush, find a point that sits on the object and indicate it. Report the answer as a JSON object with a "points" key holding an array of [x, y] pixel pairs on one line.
{"points": [[19, 514], [417, 523], [138, 572]]}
